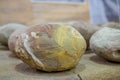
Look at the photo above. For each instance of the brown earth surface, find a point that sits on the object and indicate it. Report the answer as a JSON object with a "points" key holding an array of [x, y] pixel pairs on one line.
{"points": [[91, 67]]}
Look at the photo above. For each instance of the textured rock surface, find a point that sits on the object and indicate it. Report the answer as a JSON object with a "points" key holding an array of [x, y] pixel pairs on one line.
{"points": [[13, 38], [91, 67], [51, 47], [86, 30], [106, 42], [7, 30]]}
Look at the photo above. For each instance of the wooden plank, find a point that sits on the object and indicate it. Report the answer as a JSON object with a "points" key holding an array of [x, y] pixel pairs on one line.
{"points": [[19, 11], [35, 13], [50, 12], [91, 67]]}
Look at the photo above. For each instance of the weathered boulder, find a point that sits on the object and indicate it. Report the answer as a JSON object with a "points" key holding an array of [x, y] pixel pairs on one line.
{"points": [[50, 47]]}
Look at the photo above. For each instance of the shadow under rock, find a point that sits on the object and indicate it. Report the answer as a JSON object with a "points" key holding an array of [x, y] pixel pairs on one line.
{"points": [[12, 55], [27, 70], [100, 60], [3, 47]]}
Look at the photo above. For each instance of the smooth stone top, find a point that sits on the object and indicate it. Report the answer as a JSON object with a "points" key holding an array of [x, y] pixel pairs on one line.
{"points": [[106, 43]]}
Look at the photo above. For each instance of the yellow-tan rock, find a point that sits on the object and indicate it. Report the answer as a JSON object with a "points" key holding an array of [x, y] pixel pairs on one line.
{"points": [[51, 47], [86, 30]]}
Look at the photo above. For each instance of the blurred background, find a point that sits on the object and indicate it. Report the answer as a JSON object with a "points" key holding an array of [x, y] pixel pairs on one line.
{"points": [[33, 12]]}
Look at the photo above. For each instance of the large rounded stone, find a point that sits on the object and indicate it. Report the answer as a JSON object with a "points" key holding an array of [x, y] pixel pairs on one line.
{"points": [[51, 47], [7, 30], [106, 42]]}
